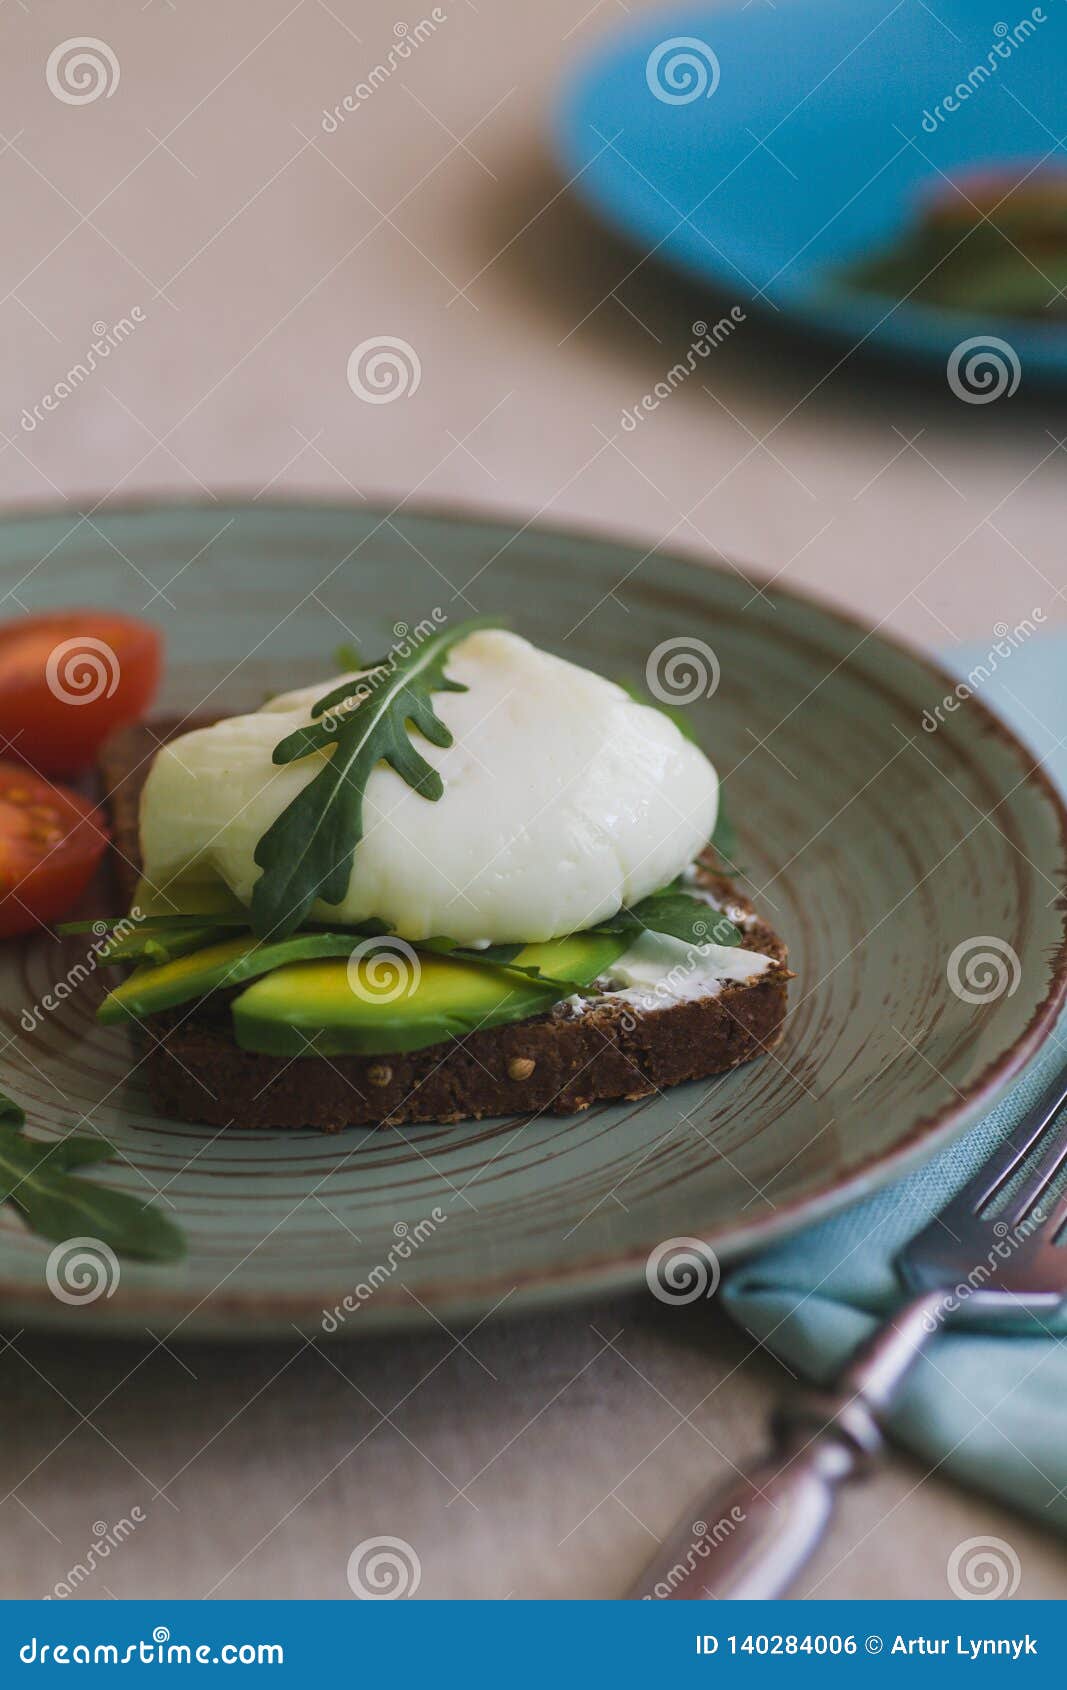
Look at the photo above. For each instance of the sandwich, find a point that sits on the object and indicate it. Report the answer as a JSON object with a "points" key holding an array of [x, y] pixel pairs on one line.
{"points": [[467, 879]]}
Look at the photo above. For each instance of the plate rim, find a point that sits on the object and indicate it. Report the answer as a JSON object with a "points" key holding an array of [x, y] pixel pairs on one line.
{"points": [[606, 1273]]}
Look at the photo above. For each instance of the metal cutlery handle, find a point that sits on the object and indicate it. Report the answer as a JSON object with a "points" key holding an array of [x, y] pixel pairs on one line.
{"points": [[750, 1538]]}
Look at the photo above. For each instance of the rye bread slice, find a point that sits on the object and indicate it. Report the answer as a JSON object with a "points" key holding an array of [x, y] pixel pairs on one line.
{"points": [[557, 1062]]}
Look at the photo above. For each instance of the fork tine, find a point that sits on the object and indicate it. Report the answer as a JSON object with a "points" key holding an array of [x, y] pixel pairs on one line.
{"points": [[1037, 1182], [1059, 1216], [995, 1174], [971, 1239]]}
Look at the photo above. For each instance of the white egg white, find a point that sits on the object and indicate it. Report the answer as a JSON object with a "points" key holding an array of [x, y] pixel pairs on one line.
{"points": [[563, 799]]}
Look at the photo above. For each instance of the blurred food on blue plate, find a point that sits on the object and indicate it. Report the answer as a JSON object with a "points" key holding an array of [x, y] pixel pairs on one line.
{"points": [[990, 239]]}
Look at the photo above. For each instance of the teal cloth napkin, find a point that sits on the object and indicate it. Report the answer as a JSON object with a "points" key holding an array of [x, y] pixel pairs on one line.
{"points": [[988, 1408]]}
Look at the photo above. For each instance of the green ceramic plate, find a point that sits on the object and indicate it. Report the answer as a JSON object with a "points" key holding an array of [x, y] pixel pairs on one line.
{"points": [[915, 875]]}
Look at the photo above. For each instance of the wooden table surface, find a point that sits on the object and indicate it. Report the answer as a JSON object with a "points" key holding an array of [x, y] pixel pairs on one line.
{"points": [[252, 247]]}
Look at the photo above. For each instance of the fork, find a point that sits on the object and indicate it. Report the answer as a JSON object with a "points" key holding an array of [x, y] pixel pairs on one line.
{"points": [[990, 1251]]}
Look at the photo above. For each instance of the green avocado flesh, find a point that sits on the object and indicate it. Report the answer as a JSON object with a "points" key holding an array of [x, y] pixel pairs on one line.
{"points": [[401, 1003], [152, 988]]}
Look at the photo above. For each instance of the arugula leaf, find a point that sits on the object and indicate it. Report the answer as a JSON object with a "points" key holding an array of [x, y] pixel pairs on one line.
{"points": [[161, 938], [677, 913], [493, 955], [36, 1177], [107, 923], [117, 931], [12, 1114], [60, 1208], [346, 656], [529, 972], [499, 956], [306, 854], [155, 939], [77, 1150], [674, 911], [165, 943], [724, 840]]}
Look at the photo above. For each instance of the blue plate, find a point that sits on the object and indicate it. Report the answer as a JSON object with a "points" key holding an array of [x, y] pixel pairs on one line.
{"points": [[759, 149]]}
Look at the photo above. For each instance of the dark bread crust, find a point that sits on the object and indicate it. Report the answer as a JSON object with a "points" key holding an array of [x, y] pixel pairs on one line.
{"points": [[607, 1052]]}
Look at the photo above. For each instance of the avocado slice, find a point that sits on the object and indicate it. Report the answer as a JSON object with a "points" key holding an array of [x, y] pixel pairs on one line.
{"points": [[332, 1009], [150, 989]]}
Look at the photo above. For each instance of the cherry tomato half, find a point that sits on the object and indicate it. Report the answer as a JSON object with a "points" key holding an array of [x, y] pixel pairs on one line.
{"points": [[68, 678], [51, 840]]}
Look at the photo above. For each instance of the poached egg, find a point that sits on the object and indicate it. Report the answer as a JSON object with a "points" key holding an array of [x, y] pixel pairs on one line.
{"points": [[563, 800]]}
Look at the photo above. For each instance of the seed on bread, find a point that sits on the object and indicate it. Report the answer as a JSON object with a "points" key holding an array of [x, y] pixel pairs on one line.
{"points": [[521, 1067]]}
